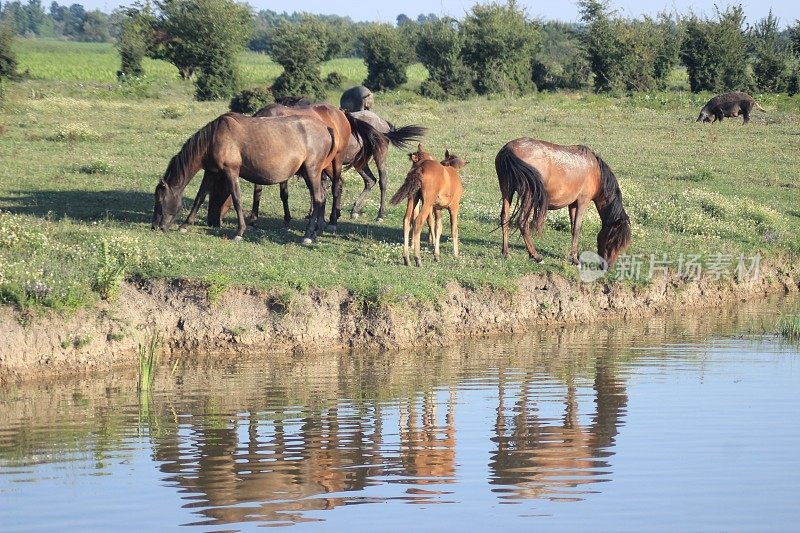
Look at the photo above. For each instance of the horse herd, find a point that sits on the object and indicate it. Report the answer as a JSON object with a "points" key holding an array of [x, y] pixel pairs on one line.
{"points": [[310, 140]]}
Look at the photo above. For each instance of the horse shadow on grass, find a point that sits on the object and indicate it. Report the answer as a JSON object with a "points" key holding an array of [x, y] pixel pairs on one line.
{"points": [[125, 206]]}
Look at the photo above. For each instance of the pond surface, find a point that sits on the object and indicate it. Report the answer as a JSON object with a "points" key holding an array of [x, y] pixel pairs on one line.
{"points": [[685, 422]]}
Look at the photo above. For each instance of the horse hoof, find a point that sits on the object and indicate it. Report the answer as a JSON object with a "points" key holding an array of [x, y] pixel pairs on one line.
{"points": [[331, 228], [537, 258], [307, 241], [237, 238], [354, 216], [406, 261], [379, 219], [183, 230]]}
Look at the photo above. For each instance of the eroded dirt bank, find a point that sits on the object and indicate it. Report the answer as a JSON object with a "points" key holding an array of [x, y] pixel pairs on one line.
{"points": [[245, 320]]}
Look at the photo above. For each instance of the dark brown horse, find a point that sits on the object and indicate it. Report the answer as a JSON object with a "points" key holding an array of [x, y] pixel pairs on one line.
{"points": [[264, 151], [550, 176], [398, 137]]}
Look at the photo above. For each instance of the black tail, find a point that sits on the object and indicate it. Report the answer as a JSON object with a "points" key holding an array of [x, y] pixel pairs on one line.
{"points": [[371, 140], [615, 235], [410, 187], [517, 175], [403, 137]]}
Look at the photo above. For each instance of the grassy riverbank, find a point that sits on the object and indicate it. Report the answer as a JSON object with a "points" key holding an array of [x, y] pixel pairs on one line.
{"points": [[82, 155]]}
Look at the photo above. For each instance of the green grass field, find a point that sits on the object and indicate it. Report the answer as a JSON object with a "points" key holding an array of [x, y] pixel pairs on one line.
{"points": [[82, 155]]}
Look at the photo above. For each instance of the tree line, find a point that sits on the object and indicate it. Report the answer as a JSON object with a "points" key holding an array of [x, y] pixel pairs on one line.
{"points": [[495, 48]]}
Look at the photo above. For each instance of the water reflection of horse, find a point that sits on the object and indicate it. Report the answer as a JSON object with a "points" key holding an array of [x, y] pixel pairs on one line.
{"points": [[541, 459], [549, 176], [262, 150]]}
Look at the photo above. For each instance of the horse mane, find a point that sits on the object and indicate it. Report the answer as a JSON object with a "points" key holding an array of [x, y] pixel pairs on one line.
{"points": [[611, 192], [615, 235], [193, 149]]}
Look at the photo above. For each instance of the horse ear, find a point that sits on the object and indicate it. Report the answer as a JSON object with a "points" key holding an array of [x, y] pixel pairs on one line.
{"points": [[446, 153], [419, 147]]}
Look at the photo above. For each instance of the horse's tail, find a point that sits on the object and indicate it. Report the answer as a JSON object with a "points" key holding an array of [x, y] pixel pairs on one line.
{"points": [[371, 139], [517, 175], [333, 141], [410, 187], [615, 235], [403, 137]]}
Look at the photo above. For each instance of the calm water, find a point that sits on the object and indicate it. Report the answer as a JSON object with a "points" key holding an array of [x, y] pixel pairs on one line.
{"points": [[688, 422]]}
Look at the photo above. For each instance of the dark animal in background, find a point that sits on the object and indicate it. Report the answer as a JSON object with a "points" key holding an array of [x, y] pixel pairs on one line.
{"points": [[549, 176], [265, 151], [729, 105], [293, 101], [357, 98]]}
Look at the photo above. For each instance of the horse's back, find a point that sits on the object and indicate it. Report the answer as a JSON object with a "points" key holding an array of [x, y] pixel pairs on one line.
{"points": [[274, 148]]}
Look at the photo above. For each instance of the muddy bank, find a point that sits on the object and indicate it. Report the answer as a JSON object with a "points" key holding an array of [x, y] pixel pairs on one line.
{"points": [[242, 320]]}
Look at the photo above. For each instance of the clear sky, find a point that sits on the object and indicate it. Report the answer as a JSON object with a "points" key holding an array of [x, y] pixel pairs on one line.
{"points": [[786, 10]]}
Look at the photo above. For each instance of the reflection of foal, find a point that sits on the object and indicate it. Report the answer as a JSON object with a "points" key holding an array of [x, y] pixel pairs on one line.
{"points": [[437, 186]]}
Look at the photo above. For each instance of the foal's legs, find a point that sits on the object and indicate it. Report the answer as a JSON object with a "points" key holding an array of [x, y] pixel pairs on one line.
{"points": [[424, 214], [437, 232], [407, 228], [576, 212], [454, 227]]}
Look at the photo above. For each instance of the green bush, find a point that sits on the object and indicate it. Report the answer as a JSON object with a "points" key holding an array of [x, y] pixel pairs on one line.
{"points": [[207, 35], [218, 79], [439, 48], [771, 65], [334, 80], [250, 100], [134, 42], [297, 48], [627, 55], [499, 46], [716, 52], [8, 59], [387, 56], [561, 62]]}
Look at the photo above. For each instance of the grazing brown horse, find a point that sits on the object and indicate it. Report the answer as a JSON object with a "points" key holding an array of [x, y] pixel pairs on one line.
{"points": [[437, 186], [261, 150], [551, 176], [398, 137]]}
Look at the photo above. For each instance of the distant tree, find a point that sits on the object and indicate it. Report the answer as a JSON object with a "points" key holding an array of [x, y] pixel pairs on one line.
{"points": [[8, 60], [716, 52], [402, 18], [439, 48], [771, 65], [135, 39], [387, 56], [561, 61], [297, 48], [206, 35], [499, 46], [95, 27]]}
